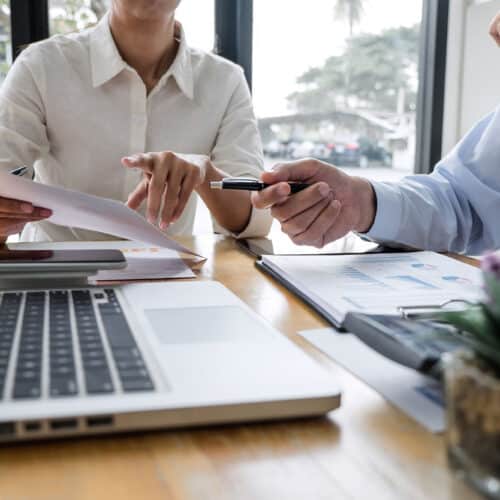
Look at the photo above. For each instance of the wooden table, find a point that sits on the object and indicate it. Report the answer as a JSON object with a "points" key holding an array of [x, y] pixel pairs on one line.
{"points": [[367, 449]]}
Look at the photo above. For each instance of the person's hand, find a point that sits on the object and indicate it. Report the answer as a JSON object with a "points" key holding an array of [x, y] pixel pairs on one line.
{"points": [[494, 29], [168, 181], [15, 214], [333, 205]]}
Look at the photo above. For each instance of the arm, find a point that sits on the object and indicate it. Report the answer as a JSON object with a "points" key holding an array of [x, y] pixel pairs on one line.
{"points": [[237, 152], [453, 209], [23, 139]]}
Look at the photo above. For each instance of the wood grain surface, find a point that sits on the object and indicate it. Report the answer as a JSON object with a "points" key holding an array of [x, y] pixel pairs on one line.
{"points": [[367, 449]]}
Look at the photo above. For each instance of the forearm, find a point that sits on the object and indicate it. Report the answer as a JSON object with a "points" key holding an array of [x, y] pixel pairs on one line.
{"points": [[231, 209], [424, 212]]}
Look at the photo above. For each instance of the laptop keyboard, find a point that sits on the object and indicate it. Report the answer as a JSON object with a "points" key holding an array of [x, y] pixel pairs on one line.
{"points": [[75, 344]]}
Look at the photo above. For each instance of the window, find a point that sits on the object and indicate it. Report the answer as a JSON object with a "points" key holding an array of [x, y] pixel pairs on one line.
{"points": [[5, 39], [197, 17], [67, 16], [198, 20], [338, 82]]}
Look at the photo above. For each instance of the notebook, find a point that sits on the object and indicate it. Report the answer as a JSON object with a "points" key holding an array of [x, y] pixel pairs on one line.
{"points": [[374, 283]]}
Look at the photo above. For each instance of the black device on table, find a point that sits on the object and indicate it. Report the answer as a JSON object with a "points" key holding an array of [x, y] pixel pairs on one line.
{"points": [[417, 344], [33, 261]]}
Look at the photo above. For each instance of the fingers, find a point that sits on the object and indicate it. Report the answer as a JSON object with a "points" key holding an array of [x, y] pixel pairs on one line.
{"points": [[144, 161], [270, 196], [171, 197], [316, 233], [301, 170], [155, 167], [494, 29], [341, 226], [138, 195], [22, 208], [303, 221], [15, 214], [156, 188], [187, 188], [300, 202], [169, 181]]}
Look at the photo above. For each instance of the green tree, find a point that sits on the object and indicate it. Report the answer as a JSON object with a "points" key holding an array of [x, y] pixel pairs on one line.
{"points": [[78, 13], [4, 38], [352, 10], [373, 70]]}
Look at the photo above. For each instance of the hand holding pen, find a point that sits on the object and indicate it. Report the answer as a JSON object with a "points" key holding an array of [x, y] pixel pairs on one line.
{"points": [[332, 205]]}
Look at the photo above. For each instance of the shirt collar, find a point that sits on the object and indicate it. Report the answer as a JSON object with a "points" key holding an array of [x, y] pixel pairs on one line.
{"points": [[106, 61], [182, 68]]}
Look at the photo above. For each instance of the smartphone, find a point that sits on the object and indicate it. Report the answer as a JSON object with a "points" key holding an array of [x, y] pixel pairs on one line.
{"points": [[12, 261]]}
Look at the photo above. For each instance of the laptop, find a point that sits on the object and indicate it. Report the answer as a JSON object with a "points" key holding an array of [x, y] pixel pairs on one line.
{"points": [[90, 360]]}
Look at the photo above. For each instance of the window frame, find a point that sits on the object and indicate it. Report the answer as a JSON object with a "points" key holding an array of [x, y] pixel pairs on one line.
{"points": [[234, 33], [29, 21], [234, 41], [432, 84]]}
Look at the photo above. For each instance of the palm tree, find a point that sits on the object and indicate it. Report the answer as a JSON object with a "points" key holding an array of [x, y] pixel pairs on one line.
{"points": [[352, 10]]}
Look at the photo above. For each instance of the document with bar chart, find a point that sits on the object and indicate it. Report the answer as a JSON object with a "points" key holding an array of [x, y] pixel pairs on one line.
{"points": [[374, 283]]}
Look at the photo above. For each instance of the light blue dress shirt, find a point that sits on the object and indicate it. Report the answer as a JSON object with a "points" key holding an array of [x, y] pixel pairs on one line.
{"points": [[456, 208]]}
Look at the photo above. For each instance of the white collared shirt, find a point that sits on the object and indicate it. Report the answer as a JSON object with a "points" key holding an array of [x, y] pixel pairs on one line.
{"points": [[72, 107]]}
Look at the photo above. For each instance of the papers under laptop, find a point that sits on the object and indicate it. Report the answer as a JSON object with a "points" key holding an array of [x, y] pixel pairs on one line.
{"points": [[144, 262], [374, 283]]}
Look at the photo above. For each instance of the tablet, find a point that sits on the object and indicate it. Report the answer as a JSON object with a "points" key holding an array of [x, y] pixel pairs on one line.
{"points": [[282, 245], [14, 261]]}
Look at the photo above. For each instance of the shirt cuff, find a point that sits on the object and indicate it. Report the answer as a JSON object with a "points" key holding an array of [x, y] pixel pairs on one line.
{"points": [[258, 225], [387, 223]]}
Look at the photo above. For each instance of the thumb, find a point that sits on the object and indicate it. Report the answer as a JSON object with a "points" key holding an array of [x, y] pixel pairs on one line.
{"points": [[293, 171]]}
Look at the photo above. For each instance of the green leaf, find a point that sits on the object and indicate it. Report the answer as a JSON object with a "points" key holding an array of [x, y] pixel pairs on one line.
{"points": [[476, 321], [493, 288]]}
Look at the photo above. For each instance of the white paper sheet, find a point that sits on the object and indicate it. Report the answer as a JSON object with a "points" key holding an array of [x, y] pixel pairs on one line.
{"points": [[418, 396], [143, 261], [378, 283], [76, 209]]}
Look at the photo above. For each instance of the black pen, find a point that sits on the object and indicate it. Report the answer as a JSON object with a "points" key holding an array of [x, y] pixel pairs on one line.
{"points": [[242, 184]]}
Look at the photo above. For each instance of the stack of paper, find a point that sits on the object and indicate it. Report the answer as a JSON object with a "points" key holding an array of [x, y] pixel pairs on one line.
{"points": [[418, 396], [375, 283], [75, 209], [144, 262]]}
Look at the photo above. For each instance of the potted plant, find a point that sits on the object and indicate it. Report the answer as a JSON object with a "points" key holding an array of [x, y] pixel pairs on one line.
{"points": [[472, 384]]}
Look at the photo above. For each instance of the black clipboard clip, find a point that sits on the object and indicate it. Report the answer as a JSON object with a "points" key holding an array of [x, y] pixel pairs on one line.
{"points": [[429, 311]]}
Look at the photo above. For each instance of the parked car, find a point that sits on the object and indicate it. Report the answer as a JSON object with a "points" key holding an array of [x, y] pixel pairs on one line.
{"points": [[346, 155], [375, 153], [304, 149]]}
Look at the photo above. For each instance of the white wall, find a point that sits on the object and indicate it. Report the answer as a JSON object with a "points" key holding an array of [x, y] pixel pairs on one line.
{"points": [[473, 68]]}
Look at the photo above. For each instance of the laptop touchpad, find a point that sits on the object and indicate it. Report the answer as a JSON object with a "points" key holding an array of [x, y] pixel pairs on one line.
{"points": [[205, 324]]}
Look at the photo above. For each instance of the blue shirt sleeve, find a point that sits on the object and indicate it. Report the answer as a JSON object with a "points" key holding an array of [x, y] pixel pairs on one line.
{"points": [[456, 208]]}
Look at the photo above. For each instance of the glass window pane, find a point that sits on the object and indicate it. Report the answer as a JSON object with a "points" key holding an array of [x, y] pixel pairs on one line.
{"points": [[197, 17], [198, 20], [338, 82], [5, 39], [67, 16]]}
